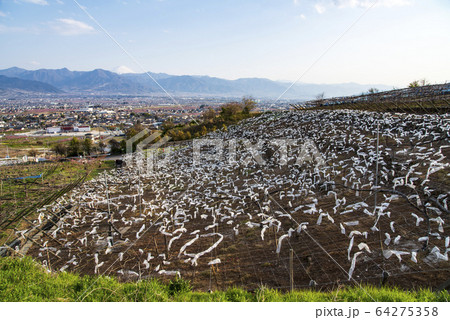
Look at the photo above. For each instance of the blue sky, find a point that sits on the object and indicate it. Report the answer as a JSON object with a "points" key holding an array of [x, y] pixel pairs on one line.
{"points": [[392, 42]]}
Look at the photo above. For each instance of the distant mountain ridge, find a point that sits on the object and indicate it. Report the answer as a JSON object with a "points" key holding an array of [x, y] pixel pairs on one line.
{"points": [[105, 82], [13, 84]]}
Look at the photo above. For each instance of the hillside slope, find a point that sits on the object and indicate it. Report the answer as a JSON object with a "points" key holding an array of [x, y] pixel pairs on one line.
{"points": [[242, 213]]}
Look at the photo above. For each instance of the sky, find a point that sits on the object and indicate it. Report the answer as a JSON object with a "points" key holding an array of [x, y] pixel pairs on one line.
{"points": [[391, 42]]}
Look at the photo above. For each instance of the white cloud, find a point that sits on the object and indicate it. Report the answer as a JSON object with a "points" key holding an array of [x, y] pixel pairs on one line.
{"points": [[319, 8], [394, 3], [70, 27], [123, 69], [322, 5], [369, 3], [2, 14], [39, 2]]}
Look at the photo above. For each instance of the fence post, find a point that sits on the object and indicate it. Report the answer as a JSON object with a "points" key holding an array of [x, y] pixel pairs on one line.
{"points": [[110, 220], [376, 167], [291, 268]]}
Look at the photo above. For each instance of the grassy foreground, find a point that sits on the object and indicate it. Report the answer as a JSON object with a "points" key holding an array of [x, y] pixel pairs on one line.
{"points": [[25, 280]]}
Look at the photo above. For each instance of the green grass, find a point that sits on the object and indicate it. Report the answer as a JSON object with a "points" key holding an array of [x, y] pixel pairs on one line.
{"points": [[25, 280], [18, 195], [103, 166], [31, 142]]}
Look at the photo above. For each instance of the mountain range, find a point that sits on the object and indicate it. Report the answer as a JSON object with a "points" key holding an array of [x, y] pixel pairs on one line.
{"points": [[103, 82], [20, 86]]}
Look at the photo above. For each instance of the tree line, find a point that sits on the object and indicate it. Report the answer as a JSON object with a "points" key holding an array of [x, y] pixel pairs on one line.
{"points": [[211, 120]]}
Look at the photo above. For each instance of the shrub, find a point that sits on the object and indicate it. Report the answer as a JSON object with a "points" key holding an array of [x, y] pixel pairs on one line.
{"points": [[178, 286]]}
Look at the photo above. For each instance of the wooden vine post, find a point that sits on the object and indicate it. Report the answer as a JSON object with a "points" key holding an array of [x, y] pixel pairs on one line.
{"points": [[291, 268]]}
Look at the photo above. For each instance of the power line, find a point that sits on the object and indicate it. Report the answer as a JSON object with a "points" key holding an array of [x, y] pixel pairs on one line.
{"points": [[84, 9]]}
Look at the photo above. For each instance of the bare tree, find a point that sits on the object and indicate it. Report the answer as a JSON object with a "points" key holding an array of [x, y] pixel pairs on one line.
{"points": [[319, 99], [60, 149], [209, 115], [248, 104], [32, 153]]}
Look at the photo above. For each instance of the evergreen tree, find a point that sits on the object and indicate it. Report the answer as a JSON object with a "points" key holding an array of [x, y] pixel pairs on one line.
{"points": [[74, 147], [87, 146]]}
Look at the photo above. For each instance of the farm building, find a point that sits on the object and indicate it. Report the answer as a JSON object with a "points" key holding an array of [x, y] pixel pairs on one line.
{"points": [[53, 130]]}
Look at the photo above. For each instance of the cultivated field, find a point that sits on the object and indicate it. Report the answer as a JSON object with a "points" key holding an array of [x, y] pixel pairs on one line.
{"points": [[232, 220], [26, 187]]}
